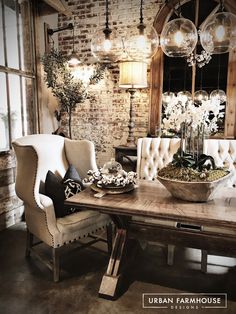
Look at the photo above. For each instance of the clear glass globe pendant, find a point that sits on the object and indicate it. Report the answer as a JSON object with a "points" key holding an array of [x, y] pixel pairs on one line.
{"points": [[106, 47], [218, 94], [219, 33], [184, 96], [167, 97], [179, 38], [141, 45], [199, 96]]}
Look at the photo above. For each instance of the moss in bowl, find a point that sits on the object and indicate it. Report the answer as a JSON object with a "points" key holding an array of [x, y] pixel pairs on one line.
{"points": [[193, 181]]}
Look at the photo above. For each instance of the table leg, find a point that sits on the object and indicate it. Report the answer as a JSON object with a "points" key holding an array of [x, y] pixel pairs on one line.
{"points": [[111, 280]]}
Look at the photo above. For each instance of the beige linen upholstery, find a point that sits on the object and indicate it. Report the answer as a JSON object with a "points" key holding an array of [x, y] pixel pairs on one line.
{"points": [[36, 154], [224, 153], [154, 154]]}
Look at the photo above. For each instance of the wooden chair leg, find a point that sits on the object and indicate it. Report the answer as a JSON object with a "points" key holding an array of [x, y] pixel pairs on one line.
{"points": [[204, 261], [109, 238], [56, 266], [170, 254], [29, 243]]}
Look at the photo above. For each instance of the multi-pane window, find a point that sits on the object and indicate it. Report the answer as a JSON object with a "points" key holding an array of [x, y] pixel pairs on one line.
{"points": [[17, 71]]}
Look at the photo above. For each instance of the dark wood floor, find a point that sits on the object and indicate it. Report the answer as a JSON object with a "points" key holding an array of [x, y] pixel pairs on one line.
{"points": [[26, 286]]}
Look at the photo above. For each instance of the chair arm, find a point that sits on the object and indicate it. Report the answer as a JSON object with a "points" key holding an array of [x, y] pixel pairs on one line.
{"points": [[48, 207]]}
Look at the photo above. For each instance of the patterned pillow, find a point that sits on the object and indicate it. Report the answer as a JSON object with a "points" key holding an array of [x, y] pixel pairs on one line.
{"points": [[59, 190]]}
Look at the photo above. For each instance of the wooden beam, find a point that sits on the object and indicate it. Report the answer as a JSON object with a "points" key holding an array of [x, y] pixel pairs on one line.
{"points": [[60, 6], [156, 85], [230, 110]]}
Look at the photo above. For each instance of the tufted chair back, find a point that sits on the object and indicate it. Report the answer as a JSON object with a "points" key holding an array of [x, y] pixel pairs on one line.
{"points": [[224, 153], [154, 154]]}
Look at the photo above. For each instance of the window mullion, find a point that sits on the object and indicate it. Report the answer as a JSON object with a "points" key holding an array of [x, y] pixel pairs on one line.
{"points": [[18, 34], [20, 66], [7, 78]]}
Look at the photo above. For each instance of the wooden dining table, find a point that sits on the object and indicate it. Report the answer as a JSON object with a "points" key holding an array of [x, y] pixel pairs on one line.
{"points": [[150, 212]]}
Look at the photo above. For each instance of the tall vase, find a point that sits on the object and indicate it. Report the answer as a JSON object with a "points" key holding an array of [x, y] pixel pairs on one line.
{"points": [[192, 141]]}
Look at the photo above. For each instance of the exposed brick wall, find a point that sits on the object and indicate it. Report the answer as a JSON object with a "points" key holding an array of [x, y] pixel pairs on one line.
{"points": [[104, 117]]}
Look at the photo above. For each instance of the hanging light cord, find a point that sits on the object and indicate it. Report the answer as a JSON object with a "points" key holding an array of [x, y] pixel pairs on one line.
{"points": [[218, 76], [107, 31], [221, 5], [141, 12], [73, 33], [141, 25]]}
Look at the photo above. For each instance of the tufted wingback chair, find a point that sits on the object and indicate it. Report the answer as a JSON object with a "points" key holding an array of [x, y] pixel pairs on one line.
{"points": [[224, 153], [36, 154], [154, 154]]}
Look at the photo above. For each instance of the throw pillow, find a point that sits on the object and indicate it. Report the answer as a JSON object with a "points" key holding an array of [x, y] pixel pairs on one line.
{"points": [[59, 190], [55, 190]]}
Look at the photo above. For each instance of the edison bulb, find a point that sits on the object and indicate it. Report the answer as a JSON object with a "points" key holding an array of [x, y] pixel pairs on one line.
{"points": [[179, 38], [104, 49], [73, 60], [219, 33], [107, 45]]}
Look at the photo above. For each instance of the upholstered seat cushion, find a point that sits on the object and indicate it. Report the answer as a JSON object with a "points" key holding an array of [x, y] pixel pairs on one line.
{"points": [[79, 221]]}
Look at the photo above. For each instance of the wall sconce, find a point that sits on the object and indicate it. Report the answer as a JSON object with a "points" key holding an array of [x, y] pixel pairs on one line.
{"points": [[73, 60], [133, 75]]}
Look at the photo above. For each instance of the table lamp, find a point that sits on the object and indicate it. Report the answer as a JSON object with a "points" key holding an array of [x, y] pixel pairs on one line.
{"points": [[133, 75]]}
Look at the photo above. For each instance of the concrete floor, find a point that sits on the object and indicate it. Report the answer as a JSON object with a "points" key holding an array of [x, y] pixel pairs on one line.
{"points": [[26, 286]]}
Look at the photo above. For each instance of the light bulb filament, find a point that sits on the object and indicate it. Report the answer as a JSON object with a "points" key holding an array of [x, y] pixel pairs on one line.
{"points": [[220, 33], [179, 38], [107, 45]]}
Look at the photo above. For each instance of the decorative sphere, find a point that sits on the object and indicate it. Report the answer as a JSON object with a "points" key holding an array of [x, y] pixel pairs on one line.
{"points": [[141, 45], [199, 96], [218, 94], [106, 50], [167, 97], [184, 96], [219, 33], [179, 38]]}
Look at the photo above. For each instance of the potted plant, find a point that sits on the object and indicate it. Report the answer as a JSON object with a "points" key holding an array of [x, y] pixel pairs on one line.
{"points": [[70, 91], [192, 175]]}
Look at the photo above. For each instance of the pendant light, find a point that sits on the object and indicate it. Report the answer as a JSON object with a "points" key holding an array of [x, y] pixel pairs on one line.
{"points": [[219, 32], [141, 45], [73, 60], [184, 95], [200, 95], [105, 46], [168, 96], [218, 93], [179, 38]]}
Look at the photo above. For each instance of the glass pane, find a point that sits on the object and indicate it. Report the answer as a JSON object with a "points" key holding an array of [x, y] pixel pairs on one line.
{"points": [[15, 104], [25, 36], [2, 60], [11, 34], [28, 105], [4, 127]]}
